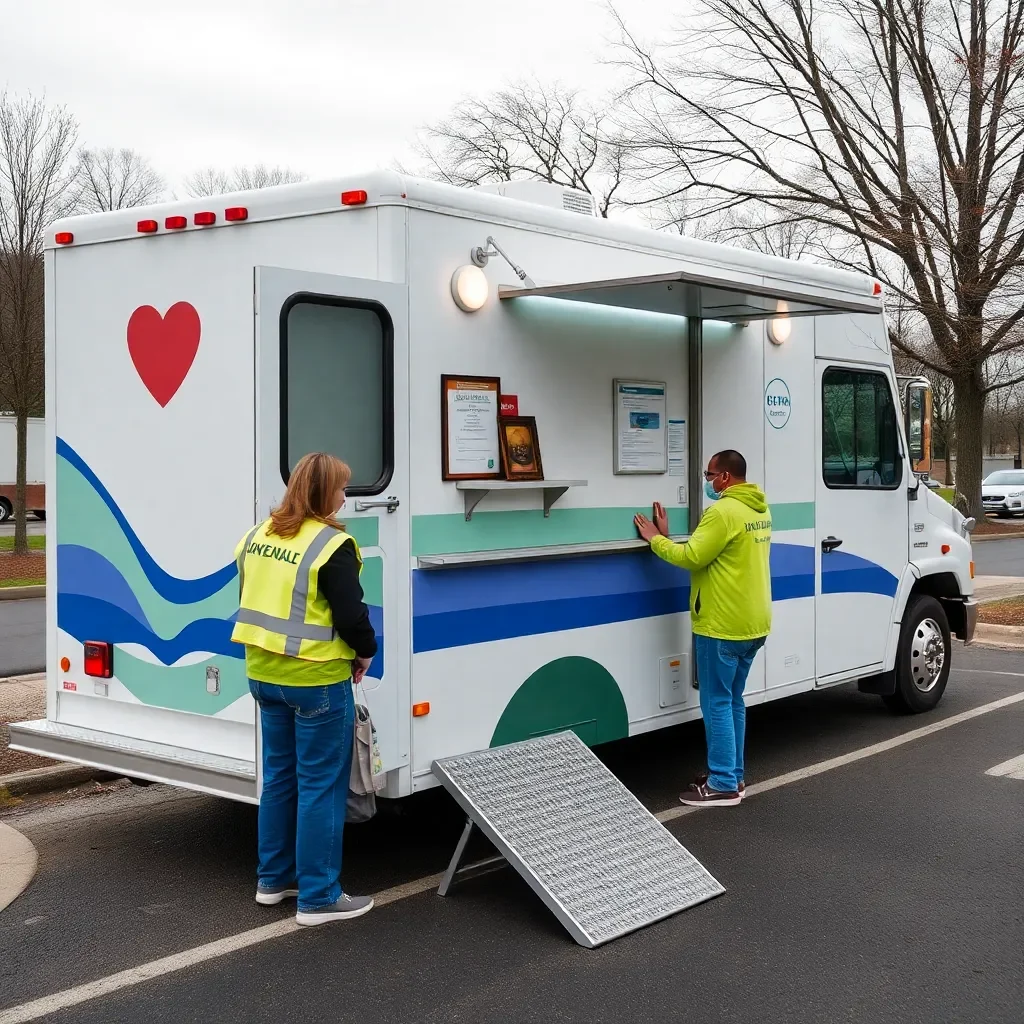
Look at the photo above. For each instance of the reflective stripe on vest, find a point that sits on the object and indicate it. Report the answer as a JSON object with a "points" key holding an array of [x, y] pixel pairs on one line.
{"points": [[295, 629]]}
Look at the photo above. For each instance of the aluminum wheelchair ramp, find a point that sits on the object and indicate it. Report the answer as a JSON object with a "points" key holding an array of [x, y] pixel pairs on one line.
{"points": [[597, 858]]}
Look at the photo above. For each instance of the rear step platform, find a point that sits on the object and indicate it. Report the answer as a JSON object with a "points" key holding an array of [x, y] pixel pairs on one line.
{"points": [[140, 759]]}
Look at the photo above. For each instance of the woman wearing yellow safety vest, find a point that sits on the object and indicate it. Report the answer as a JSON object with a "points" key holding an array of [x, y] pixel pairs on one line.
{"points": [[307, 635]]}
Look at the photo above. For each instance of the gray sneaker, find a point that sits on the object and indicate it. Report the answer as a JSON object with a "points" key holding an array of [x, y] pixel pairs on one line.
{"points": [[342, 910], [271, 896]]}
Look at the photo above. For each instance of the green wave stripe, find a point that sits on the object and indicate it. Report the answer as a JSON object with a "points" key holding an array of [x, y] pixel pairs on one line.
{"points": [[181, 687], [85, 520]]}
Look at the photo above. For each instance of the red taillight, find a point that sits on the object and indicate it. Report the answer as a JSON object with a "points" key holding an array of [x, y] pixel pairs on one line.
{"points": [[205, 218], [176, 223], [63, 238], [147, 226], [354, 198], [236, 213], [99, 659]]}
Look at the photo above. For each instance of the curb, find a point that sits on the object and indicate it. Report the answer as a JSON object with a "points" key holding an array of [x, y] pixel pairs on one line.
{"points": [[28, 593], [61, 776], [18, 863], [1010, 638], [1016, 535]]}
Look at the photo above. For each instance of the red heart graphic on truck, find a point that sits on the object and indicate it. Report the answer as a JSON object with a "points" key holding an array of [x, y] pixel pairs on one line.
{"points": [[163, 348]]}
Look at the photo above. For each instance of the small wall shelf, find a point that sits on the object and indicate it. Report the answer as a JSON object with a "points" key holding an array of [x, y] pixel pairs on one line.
{"points": [[474, 491]]}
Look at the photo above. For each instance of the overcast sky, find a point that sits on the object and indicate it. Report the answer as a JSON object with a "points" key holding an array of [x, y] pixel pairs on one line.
{"points": [[323, 86]]}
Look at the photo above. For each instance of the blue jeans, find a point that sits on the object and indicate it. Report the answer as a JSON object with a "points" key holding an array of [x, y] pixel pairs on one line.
{"points": [[307, 756], [722, 670]]}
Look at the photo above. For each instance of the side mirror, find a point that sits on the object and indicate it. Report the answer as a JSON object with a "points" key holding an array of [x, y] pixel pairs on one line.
{"points": [[969, 525]]}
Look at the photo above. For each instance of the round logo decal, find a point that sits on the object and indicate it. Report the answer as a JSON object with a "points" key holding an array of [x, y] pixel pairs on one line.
{"points": [[777, 405]]}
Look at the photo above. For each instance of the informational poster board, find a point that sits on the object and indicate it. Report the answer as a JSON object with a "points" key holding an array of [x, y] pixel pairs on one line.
{"points": [[641, 427], [469, 428]]}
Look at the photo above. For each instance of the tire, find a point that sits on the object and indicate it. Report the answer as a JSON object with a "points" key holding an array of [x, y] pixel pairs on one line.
{"points": [[923, 659], [6, 510], [41, 516]]}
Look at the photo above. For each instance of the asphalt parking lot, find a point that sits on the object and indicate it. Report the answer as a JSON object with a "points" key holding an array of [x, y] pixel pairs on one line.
{"points": [[869, 880]]}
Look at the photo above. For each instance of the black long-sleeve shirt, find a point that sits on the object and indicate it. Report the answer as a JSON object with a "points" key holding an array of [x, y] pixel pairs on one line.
{"points": [[338, 580]]}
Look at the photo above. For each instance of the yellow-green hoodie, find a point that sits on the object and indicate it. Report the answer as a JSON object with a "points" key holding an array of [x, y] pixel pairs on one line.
{"points": [[730, 579]]}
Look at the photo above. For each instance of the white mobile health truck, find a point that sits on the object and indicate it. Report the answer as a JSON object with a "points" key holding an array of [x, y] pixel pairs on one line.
{"points": [[197, 349]]}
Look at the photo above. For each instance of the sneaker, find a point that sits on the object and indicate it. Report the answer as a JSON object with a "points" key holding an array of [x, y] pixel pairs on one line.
{"points": [[700, 794], [270, 896], [342, 910], [740, 788]]}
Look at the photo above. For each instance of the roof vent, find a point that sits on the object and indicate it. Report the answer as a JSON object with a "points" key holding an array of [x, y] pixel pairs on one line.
{"points": [[545, 193]]}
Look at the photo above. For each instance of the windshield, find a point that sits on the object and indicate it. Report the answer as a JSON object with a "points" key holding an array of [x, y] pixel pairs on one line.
{"points": [[1006, 477]]}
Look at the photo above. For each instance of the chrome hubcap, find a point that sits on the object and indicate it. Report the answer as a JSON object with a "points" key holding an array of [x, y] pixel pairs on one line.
{"points": [[927, 655]]}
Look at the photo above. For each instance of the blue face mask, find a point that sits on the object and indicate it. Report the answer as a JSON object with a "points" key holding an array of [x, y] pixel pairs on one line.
{"points": [[712, 494]]}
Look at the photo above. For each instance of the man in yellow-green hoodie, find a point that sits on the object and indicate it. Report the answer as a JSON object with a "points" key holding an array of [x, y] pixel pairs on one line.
{"points": [[730, 611]]}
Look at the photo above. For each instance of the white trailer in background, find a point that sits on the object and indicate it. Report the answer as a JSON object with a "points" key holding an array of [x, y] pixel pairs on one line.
{"points": [[196, 349], [35, 462]]}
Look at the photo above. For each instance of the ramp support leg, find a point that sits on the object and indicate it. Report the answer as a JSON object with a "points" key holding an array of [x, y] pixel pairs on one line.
{"points": [[479, 867]]}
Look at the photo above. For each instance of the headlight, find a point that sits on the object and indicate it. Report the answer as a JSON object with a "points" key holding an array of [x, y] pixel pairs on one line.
{"points": [[1015, 494]]}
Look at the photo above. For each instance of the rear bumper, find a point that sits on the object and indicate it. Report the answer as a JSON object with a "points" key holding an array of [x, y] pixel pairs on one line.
{"points": [[970, 620], [142, 759]]}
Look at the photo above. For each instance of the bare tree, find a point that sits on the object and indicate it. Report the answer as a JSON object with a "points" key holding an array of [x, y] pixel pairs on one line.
{"points": [[36, 184], [115, 179], [528, 130], [895, 125], [210, 181]]}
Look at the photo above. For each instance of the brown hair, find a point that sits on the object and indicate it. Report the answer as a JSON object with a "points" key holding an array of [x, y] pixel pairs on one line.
{"points": [[314, 481]]}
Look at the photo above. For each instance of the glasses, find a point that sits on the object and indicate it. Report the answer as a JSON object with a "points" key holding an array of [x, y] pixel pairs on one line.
{"points": [[708, 475]]}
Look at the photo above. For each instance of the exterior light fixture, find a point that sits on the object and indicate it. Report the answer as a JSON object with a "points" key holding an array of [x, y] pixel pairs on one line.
{"points": [[781, 326], [469, 288]]}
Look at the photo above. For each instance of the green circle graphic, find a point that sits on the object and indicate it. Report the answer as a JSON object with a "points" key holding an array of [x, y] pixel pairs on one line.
{"points": [[568, 693]]}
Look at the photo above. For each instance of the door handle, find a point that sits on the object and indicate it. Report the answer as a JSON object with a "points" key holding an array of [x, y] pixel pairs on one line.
{"points": [[830, 544], [390, 503]]}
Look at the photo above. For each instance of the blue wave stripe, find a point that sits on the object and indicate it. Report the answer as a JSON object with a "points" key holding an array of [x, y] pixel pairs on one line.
{"points": [[844, 573], [792, 569], [87, 573], [478, 604], [480, 625], [89, 618], [498, 586], [171, 588]]}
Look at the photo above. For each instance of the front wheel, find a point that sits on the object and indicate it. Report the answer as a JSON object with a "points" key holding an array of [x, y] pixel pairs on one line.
{"points": [[923, 659], [6, 510]]}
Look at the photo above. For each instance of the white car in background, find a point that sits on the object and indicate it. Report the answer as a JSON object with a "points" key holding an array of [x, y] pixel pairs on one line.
{"points": [[1002, 492]]}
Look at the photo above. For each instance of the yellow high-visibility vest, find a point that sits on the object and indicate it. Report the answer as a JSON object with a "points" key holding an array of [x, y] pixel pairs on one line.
{"points": [[281, 609]]}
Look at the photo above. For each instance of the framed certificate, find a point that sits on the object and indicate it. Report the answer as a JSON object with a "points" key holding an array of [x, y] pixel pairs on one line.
{"points": [[641, 429], [469, 427]]}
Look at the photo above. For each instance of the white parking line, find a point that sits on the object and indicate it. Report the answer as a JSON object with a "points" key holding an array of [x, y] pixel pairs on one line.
{"points": [[37, 1008], [1012, 769]]}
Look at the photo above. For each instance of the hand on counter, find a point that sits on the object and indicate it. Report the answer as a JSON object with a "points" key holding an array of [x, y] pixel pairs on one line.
{"points": [[660, 519], [647, 530]]}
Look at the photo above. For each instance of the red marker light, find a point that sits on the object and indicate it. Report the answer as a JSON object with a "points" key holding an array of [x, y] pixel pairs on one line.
{"points": [[205, 218], [63, 238], [946, 549], [176, 223], [354, 198], [147, 226], [99, 659], [877, 289], [236, 213]]}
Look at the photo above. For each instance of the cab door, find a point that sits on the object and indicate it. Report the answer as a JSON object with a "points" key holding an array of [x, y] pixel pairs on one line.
{"points": [[331, 357], [861, 516]]}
